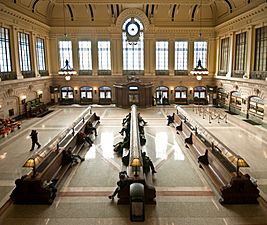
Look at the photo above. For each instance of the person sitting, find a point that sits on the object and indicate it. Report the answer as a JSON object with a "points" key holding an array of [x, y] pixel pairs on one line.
{"points": [[51, 186], [141, 120], [89, 128], [126, 119], [69, 157], [204, 158], [147, 164], [118, 148], [82, 137], [123, 182], [125, 129]]}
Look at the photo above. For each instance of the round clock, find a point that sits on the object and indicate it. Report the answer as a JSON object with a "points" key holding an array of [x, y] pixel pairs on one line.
{"points": [[132, 31]]}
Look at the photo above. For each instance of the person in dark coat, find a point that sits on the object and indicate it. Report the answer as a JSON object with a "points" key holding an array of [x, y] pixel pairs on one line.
{"points": [[34, 137]]}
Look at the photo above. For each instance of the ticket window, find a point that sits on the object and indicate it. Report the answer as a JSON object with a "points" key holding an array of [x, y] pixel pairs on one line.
{"points": [[236, 100], [86, 94], [66, 93], [256, 106], [105, 95], [181, 95], [162, 97]]}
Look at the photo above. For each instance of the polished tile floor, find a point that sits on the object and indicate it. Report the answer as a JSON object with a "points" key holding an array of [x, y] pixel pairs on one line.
{"points": [[184, 195]]}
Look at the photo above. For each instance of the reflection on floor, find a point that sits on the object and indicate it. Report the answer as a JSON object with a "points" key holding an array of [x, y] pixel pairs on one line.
{"points": [[184, 196]]}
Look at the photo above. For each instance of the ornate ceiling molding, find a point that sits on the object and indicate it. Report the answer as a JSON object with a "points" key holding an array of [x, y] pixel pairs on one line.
{"points": [[241, 21]]}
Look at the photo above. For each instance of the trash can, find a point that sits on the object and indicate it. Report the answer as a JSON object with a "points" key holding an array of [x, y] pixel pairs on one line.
{"points": [[137, 207]]}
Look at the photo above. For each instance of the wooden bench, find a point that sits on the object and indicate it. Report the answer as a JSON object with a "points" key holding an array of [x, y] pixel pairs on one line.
{"points": [[30, 188], [136, 174], [232, 188]]}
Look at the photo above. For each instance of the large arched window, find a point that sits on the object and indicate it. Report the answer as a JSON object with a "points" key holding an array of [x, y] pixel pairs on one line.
{"points": [[133, 52]]}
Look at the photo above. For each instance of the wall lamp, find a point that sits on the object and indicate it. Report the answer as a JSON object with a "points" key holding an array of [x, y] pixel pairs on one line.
{"points": [[23, 99], [40, 94], [95, 90]]}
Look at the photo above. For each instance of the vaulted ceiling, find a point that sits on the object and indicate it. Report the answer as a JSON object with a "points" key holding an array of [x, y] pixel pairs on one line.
{"points": [[104, 13]]}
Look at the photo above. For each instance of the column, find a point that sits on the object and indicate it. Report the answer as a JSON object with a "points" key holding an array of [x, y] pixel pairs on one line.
{"points": [[171, 57], [149, 55], [212, 56], [54, 55], [116, 55], [75, 54], [94, 57], [15, 52], [231, 55], [190, 55], [218, 55], [33, 53], [47, 55], [250, 55]]}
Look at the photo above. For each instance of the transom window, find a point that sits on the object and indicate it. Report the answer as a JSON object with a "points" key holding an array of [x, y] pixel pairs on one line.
{"points": [[241, 48], [133, 54], [200, 52], [24, 52], [261, 49], [40, 52], [104, 55], [85, 55], [162, 52], [181, 55], [5, 60], [65, 53]]}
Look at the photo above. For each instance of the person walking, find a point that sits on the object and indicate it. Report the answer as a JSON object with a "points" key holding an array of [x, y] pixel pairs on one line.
{"points": [[34, 137]]}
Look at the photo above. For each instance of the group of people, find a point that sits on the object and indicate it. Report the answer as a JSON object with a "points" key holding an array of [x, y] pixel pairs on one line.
{"points": [[123, 177], [118, 148]]}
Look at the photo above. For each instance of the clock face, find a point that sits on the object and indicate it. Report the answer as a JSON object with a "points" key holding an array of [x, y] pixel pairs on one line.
{"points": [[133, 29]]}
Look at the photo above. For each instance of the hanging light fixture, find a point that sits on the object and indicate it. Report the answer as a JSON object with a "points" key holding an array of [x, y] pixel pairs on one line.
{"points": [[199, 70], [66, 71]]}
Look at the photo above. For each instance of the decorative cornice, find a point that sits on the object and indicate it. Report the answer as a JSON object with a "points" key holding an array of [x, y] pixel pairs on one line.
{"points": [[244, 19], [21, 19]]}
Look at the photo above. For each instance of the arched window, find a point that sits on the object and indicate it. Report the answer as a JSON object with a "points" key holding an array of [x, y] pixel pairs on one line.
{"points": [[67, 93], [86, 95], [200, 95], [86, 92], [104, 95], [181, 95], [133, 52], [199, 92], [162, 96]]}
